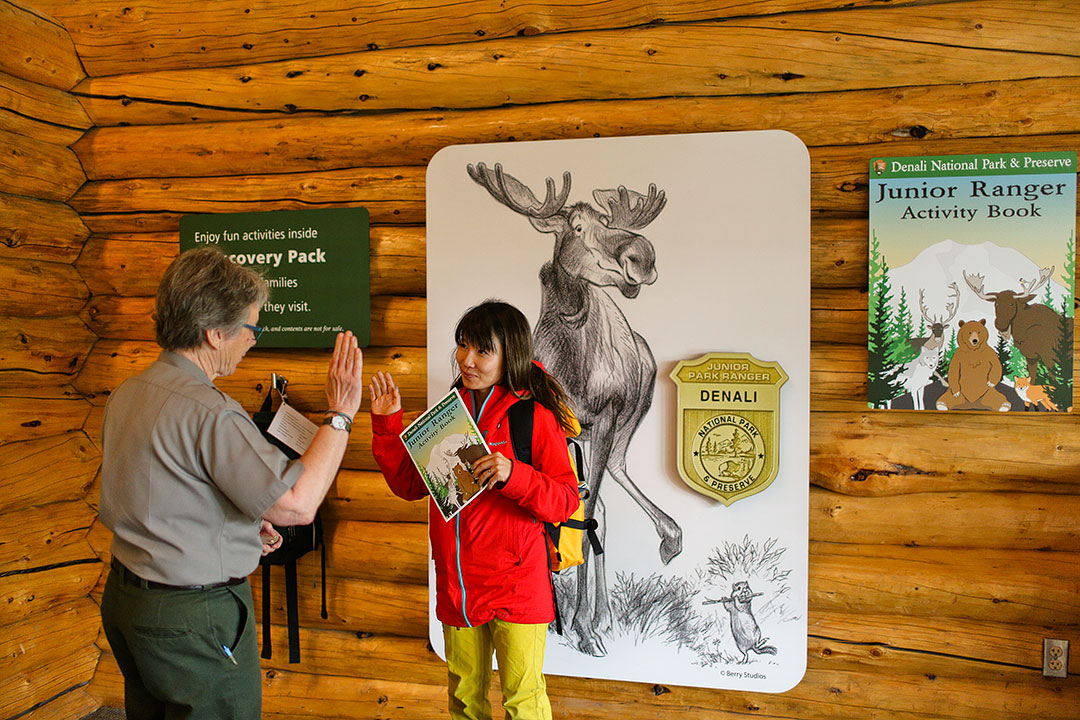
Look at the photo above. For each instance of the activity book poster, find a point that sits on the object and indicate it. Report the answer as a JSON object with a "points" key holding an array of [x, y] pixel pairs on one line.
{"points": [[972, 259], [443, 443]]}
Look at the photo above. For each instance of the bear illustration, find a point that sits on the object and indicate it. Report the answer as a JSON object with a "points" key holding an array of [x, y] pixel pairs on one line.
{"points": [[974, 371]]}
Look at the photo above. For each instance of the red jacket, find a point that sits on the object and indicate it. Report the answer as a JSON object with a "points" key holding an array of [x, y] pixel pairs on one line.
{"points": [[491, 558]]}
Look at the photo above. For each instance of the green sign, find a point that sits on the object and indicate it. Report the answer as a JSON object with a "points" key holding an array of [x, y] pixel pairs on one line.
{"points": [[316, 262], [1035, 163]]}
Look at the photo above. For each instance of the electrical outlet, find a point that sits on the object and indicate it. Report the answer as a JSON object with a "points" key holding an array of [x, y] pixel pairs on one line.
{"points": [[1055, 658]]}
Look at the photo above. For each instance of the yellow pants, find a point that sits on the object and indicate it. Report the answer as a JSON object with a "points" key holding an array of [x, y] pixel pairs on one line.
{"points": [[520, 652]]}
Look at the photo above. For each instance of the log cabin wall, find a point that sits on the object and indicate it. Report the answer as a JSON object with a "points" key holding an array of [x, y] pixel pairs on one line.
{"points": [[48, 622], [943, 549]]}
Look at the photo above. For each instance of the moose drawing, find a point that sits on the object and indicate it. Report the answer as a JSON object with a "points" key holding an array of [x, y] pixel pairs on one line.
{"points": [[1035, 330], [585, 340]]}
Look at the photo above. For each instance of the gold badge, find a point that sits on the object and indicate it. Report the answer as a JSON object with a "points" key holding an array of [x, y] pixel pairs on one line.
{"points": [[729, 424]]}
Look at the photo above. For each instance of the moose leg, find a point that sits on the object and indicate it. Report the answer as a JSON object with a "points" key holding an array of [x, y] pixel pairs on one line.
{"points": [[669, 531], [600, 601], [592, 615], [626, 424]]}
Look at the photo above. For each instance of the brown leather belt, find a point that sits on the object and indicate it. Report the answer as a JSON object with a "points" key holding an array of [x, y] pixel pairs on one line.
{"points": [[130, 578]]}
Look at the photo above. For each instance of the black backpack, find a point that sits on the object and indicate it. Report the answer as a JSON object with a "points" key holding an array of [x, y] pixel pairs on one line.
{"points": [[296, 541], [520, 417]]}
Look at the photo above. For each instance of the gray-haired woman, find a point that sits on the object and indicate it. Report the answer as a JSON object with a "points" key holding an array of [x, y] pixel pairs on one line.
{"points": [[190, 488]]}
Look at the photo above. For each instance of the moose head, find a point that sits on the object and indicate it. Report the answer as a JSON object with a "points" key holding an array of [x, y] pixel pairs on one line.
{"points": [[597, 246], [1007, 303], [1035, 330]]}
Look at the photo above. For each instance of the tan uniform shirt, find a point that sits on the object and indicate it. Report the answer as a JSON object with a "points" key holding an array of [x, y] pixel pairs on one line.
{"points": [[186, 477]]}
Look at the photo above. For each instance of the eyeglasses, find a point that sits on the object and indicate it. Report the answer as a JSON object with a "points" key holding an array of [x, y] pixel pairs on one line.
{"points": [[255, 330]]}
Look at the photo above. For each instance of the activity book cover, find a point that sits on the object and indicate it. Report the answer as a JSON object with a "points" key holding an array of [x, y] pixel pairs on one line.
{"points": [[443, 443], [971, 282]]}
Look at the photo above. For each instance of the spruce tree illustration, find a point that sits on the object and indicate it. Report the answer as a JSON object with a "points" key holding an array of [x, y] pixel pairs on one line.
{"points": [[1017, 363], [1068, 269], [946, 357], [1062, 385], [882, 371], [901, 351], [1005, 356]]}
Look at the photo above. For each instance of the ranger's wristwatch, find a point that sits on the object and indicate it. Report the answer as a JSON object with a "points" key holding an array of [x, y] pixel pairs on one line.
{"points": [[338, 421]]}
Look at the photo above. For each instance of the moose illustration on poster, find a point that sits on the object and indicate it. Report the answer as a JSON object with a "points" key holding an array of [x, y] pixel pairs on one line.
{"points": [[972, 260], [629, 255]]}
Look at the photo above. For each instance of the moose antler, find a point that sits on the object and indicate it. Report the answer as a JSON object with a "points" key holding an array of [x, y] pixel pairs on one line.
{"points": [[1044, 275], [516, 195], [621, 216], [975, 282]]}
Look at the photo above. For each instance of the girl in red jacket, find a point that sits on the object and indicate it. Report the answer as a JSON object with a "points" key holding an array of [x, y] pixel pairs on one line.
{"points": [[492, 578]]}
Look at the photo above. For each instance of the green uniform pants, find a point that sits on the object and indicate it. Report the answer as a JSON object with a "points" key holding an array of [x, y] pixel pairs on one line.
{"points": [[520, 652], [170, 646]]}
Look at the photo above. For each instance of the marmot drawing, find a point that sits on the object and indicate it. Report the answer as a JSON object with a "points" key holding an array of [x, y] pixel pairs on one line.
{"points": [[744, 627]]}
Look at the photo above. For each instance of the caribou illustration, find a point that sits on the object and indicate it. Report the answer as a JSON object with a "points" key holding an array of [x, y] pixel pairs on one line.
{"points": [[1034, 329], [584, 340], [918, 373]]}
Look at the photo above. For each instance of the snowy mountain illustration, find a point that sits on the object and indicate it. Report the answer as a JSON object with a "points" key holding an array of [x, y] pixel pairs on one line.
{"points": [[945, 262]]}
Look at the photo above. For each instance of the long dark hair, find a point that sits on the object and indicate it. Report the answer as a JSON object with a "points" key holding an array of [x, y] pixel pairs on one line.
{"points": [[491, 319]]}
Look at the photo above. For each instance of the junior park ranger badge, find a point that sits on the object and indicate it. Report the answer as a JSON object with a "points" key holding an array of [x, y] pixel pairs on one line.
{"points": [[729, 424]]}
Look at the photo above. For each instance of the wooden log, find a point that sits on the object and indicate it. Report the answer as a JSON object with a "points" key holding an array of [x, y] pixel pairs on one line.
{"points": [[45, 535], [948, 690], [51, 469], [389, 194], [1003, 521], [41, 351], [1002, 644], [74, 703], [856, 452], [40, 112], [838, 184], [1016, 108], [36, 288], [41, 683], [231, 32], [391, 552], [937, 687], [125, 265], [398, 258], [887, 453], [31, 645], [972, 24], [107, 685], [906, 641], [357, 654], [353, 604], [703, 59], [133, 264], [39, 230], [839, 178], [113, 361], [1009, 587], [38, 594], [36, 168], [26, 418], [363, 495], [37, 48], [1005, 587], [395, 321]]}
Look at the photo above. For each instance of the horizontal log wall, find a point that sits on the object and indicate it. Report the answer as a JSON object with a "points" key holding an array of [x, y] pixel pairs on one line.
{"points": [[48, 622], [942, 550]]}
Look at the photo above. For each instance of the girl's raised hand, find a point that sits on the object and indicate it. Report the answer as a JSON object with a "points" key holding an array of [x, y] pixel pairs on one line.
{"points": [[385, 396]]}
